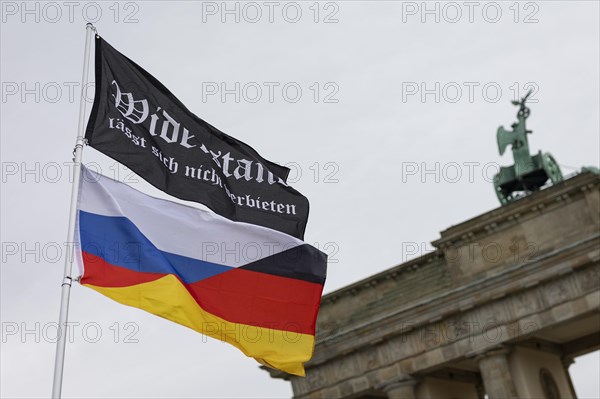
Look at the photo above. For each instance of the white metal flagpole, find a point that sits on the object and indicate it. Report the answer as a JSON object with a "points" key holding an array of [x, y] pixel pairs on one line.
{"points": [[67, 279]]}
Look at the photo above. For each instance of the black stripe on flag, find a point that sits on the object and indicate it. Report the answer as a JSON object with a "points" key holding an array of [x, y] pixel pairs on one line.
{"points": [[303, 262], [137, 121]]}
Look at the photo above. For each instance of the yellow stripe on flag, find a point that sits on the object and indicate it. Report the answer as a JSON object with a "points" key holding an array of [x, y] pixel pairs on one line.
{"points": [[168, 298]]}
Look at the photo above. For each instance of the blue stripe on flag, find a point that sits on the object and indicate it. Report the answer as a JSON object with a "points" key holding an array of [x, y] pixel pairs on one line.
{"points": [[119, 242]]}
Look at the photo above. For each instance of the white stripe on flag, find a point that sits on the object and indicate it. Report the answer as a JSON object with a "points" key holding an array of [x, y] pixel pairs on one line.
{"points": [[181, 229]]}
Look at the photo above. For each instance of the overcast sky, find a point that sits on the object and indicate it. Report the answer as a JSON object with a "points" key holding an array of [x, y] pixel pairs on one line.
{"points": [[366, 97]]}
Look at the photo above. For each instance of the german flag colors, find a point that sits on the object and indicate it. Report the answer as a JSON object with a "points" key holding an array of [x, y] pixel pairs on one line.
{"points": [[254, 287]]}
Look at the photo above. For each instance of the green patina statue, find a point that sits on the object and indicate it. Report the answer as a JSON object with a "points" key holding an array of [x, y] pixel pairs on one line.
{"points": [[529, 173]]}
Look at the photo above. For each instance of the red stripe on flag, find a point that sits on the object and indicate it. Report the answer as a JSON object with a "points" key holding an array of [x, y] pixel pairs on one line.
{"points": [[238, 295], [260, 299], [101, 273]]}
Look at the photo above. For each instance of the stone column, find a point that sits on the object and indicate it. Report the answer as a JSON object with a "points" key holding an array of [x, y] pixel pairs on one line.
{"points": [[401, 389], [567, 361], [480, 389], [496, 376]]}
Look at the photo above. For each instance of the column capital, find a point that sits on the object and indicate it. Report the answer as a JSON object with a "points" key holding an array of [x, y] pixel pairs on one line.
{"points": [[496, 373], [499, 350], [567, 361], [402, 387], [401, 382]]}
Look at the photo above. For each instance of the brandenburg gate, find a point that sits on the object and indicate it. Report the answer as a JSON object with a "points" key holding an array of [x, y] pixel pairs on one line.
{"points": [[500, 308]]}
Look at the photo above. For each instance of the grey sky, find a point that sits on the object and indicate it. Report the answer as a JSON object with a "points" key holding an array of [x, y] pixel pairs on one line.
{"points": [[359, 137]]}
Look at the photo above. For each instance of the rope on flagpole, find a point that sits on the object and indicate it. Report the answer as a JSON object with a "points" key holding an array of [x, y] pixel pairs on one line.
{"points": [[67, 279]]}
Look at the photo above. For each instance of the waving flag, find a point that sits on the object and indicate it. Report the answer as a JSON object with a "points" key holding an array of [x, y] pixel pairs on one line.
{"points": [[253, 287], [141, 124]]}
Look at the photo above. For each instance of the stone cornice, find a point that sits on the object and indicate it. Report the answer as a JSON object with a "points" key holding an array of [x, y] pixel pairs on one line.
{"points": [[484, 224], [374, 280], [423, 362], [379, 322], [504, 282], [515, 212]]}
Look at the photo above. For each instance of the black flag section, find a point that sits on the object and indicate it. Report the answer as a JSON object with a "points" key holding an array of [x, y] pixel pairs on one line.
{"points": [[137, 121]]}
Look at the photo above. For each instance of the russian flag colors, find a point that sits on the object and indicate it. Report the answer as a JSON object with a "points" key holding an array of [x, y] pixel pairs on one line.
{"points": [[240, 271], [254, 287]]}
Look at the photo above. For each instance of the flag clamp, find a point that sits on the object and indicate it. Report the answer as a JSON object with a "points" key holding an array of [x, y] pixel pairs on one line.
{"points": [[81, 142]]}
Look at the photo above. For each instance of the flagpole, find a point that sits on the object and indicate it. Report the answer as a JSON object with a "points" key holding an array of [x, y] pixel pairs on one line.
{"points": [[67, 279]]}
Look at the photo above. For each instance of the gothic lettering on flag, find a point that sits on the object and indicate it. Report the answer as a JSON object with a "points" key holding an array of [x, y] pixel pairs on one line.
{"points": [[137, 121], [125, 103]]}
